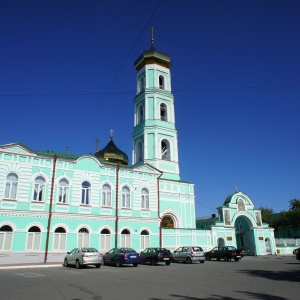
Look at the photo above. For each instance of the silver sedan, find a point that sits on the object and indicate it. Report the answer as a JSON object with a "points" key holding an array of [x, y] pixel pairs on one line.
{"points": [[83, 257]]}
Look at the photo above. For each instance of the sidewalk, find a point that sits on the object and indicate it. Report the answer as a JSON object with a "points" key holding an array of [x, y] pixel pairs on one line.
{"points": [[31, 265]]}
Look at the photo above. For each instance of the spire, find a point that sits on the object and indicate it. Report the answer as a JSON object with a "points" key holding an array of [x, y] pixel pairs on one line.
{"points": [[111, 134], [152, 37]]}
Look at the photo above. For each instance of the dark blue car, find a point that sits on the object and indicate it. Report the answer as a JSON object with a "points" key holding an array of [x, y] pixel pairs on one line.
{"points": [[121, 256]]}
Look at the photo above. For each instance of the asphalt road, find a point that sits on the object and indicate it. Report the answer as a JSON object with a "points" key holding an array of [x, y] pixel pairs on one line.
{"points": [[271, 278]]}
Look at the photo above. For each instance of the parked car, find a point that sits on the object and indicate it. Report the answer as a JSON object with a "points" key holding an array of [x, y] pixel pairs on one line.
{"points": [[297, 253], [188, 254], [227, 253], [82, 257], [156, 255], [121, 256]]}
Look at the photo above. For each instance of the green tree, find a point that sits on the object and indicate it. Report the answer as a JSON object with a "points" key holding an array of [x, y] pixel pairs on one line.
{"points": [[267, 214]]}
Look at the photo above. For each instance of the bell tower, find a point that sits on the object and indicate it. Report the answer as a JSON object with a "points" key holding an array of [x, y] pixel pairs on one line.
{"points": [[154, 136]]}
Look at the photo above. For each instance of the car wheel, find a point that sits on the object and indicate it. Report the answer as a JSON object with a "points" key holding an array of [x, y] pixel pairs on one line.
{"points": [[202, 261], [135, 265], [153, 263], [168, 263], [207, 258], [98, 266], [65, 263], [218, 259], [188, 260], [77, 265], [118, 263], [236, 259], [226, 258]]}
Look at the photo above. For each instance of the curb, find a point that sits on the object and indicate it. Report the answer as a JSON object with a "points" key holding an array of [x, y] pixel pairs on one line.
{"points": [[28, 266]]}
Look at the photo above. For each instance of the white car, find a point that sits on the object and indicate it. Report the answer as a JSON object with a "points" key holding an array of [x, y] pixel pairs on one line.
{"points": [[188, 254]]}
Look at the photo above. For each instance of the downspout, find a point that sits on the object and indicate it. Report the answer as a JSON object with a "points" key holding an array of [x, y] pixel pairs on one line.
{"points": [[117, 206], [50, 208], [158, 211]]}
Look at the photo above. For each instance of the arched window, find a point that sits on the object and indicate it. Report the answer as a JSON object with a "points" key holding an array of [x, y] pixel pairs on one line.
{"points": [[83, 238], [163, 112], [6, 235], [63, 191], [60, 238], [167, 222], [39, 189], [145, 239], [33, 239], [141, 84], [221, 242], [161, 82], [140, 114], [125, 238], [105, 240], [165, 150], [106, 195], [86, 191], [11, 186], [139, 152], [145, 199], [125, 197]]}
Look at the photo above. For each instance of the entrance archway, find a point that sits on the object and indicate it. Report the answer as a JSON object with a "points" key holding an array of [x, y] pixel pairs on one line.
{"points": [[221, 242], [244, 234]]}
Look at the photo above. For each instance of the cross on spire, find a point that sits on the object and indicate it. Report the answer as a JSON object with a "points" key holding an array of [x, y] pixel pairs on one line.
{"points": [[97, 141], [152, 35], [111, 134]]}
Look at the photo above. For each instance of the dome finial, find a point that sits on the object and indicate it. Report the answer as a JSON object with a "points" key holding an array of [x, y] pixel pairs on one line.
{"points": [[111, 134], [152, 36]]}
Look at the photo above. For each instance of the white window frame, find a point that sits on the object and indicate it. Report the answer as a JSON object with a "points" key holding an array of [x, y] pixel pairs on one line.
{"points": [[33, 240], [83, 238], [85, 193], [105, 240], [145, 240], [11, 186], [125, 239], [106, 195], [145, 199], [6, 239], [39, 189], [125, 197], [59, 240], [63, 191]]}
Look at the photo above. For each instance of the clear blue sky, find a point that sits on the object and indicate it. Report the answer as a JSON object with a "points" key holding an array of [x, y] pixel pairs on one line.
{"points": [[67, 78]]}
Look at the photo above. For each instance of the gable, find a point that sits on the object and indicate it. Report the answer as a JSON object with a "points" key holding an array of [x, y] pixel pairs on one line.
{"points": [[16, 148], [147, 169]]}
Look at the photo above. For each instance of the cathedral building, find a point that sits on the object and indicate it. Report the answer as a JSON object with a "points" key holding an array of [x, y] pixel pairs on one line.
{"points": [[52, 202]]}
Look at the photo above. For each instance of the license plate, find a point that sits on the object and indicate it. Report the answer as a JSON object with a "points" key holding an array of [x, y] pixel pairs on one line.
{"points": [[132, 256], [166, 259], [237, 256]]}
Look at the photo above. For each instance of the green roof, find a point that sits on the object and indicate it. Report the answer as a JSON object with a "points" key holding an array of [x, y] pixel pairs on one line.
{"points": [[59, 154]]}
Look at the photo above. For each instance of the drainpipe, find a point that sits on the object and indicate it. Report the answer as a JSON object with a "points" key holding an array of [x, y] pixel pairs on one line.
{"points": [[117, 206], [50, 208], [158, 211]]}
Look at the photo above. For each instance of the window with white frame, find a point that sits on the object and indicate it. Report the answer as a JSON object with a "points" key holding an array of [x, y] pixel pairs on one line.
{"points": [[83, 238], [125, 197], [86, 191], [33, 239], [6, 235], [105, 239], [60, 237], [39, 189], [11, 186], [125, 238], [106, 195], [145, 199], [63, 191], [163, 112], [161, 82], [141, 84], [165, 150], [145, 239]]}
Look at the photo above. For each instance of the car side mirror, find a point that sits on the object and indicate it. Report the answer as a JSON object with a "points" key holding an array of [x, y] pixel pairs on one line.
{"points": [[106, 252]]}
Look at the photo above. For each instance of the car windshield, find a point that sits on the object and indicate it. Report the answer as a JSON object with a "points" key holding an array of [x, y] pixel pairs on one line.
{"points": [[197, 249], [231, 248]]}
